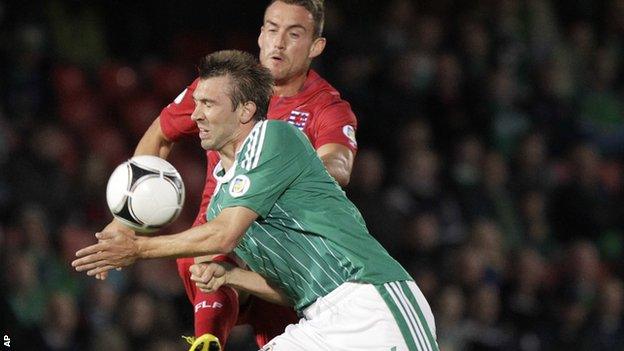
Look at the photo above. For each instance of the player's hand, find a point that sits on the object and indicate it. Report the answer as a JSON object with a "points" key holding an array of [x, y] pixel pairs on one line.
{"points": [[114, 249], [209, 277], [114, 225]]}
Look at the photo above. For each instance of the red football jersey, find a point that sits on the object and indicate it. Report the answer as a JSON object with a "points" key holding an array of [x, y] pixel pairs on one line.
{"points": [[317, 110]]}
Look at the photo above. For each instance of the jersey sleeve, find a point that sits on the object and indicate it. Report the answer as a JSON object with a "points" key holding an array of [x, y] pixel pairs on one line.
{"points": [[209, 186], [175, 118], [267, 165], [336, 123]]}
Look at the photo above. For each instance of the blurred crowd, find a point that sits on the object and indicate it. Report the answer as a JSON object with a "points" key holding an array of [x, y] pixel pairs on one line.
{"points": [[490, 162]]}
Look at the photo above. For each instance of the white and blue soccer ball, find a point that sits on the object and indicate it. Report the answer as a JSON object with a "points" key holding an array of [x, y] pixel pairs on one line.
{"points": [[145, 193]]}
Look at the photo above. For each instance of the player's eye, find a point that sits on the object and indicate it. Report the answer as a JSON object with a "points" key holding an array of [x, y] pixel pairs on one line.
{"points": [[295, 35]]}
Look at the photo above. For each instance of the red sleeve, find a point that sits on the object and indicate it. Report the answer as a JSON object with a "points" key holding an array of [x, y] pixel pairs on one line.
{"points": [[175, 119], [336, 123], [212, 158]]}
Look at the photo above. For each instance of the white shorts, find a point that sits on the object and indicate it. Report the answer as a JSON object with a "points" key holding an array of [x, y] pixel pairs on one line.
{"points": [[356, 316]]}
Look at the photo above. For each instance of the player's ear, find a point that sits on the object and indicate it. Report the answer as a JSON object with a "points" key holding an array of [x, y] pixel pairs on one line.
{"points": [[317, 47], [260, 36], [248, 109]]}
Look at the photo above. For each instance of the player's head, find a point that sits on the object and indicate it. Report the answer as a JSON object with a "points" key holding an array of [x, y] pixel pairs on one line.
{"points": [[233, 89], [291, 36]]}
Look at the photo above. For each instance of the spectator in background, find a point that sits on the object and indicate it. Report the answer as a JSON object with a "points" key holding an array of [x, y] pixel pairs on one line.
{"points": [[61, 330], [580, 207], [605, 329], [451, 319], [526, 306]]}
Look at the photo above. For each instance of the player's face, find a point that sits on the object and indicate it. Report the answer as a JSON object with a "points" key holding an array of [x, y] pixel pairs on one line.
{"points": [[287, 43], [218, 124]]}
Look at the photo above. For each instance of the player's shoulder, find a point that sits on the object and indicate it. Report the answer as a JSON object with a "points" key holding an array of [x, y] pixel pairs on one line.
{"points": [[279, 133], [270, 137], [267, 132], [322, 90], [280, 130], [327, 104]]}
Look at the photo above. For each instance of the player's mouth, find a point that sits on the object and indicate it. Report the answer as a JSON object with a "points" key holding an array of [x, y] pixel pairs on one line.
{"points": [[277, 58], [203, 133]]}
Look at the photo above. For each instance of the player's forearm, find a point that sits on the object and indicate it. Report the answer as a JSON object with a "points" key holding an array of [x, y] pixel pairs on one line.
{"points": [[154, 142], [256, 284], [207, 239]]}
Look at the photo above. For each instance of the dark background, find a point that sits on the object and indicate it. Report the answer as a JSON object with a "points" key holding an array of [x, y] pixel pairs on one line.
{"points": [[491, 144]]}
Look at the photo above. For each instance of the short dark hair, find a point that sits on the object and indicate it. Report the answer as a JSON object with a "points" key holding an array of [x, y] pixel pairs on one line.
{"points": [[250, 80], [315, 7]]}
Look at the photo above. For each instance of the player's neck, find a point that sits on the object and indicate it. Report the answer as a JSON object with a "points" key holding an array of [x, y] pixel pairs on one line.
{"points": [[229, 150], [290, 87]]}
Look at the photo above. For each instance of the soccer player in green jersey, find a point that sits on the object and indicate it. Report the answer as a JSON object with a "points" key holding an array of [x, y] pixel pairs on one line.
{"points": [[278, 209]]}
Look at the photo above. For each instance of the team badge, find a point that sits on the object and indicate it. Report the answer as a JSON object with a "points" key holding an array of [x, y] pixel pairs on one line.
{"points": [[298, 118], [349, 132], [239, 185]]}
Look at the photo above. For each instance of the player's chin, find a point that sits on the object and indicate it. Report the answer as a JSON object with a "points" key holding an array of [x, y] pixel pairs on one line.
{"points": [[207, 144]]}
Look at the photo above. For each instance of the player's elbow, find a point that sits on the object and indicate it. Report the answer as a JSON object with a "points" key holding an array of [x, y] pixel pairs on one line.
{"points": [[223, 244], [343, 179], [339, 166], [227, 240], [341, 172]]}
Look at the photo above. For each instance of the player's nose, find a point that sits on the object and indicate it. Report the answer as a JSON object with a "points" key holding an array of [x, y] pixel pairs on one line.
{"points": [[197, 115], [279, 41]]}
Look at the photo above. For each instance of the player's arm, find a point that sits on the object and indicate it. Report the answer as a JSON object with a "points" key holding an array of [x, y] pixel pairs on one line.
{"points": [[154, 142], [211, 276], [120, 249], [334, 140], [338, 159]]}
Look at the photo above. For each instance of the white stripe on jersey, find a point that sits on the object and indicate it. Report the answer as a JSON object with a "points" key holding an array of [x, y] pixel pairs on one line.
{"points": [[249, 150], [260, 144], [322, 240], [294, 258], [259, 243], [254, 146], [312, 258], [263, 259], [313, 246]]}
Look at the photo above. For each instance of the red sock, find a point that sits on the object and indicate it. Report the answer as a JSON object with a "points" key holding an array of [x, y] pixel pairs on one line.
{"points": [[216, 313]]}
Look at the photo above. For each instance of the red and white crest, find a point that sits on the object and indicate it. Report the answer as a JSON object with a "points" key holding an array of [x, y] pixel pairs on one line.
{"points": [[298, 118]]}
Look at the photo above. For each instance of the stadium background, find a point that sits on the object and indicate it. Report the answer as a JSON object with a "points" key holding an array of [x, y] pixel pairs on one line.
{"points": [[491, 151]]}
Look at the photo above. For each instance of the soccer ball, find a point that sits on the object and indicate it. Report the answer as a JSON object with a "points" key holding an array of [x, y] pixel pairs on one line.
{"points": [[145, 193]]}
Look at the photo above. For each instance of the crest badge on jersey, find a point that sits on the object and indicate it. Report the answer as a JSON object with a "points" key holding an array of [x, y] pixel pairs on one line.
{"points": [[298, 118], [349, 132], [239, 185]]}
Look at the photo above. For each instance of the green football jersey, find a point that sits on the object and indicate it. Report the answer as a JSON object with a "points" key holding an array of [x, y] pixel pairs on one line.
{"points": [[309, 238]]}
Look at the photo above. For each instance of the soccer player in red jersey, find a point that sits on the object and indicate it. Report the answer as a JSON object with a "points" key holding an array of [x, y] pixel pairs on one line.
{"points": [[290, 37]]}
